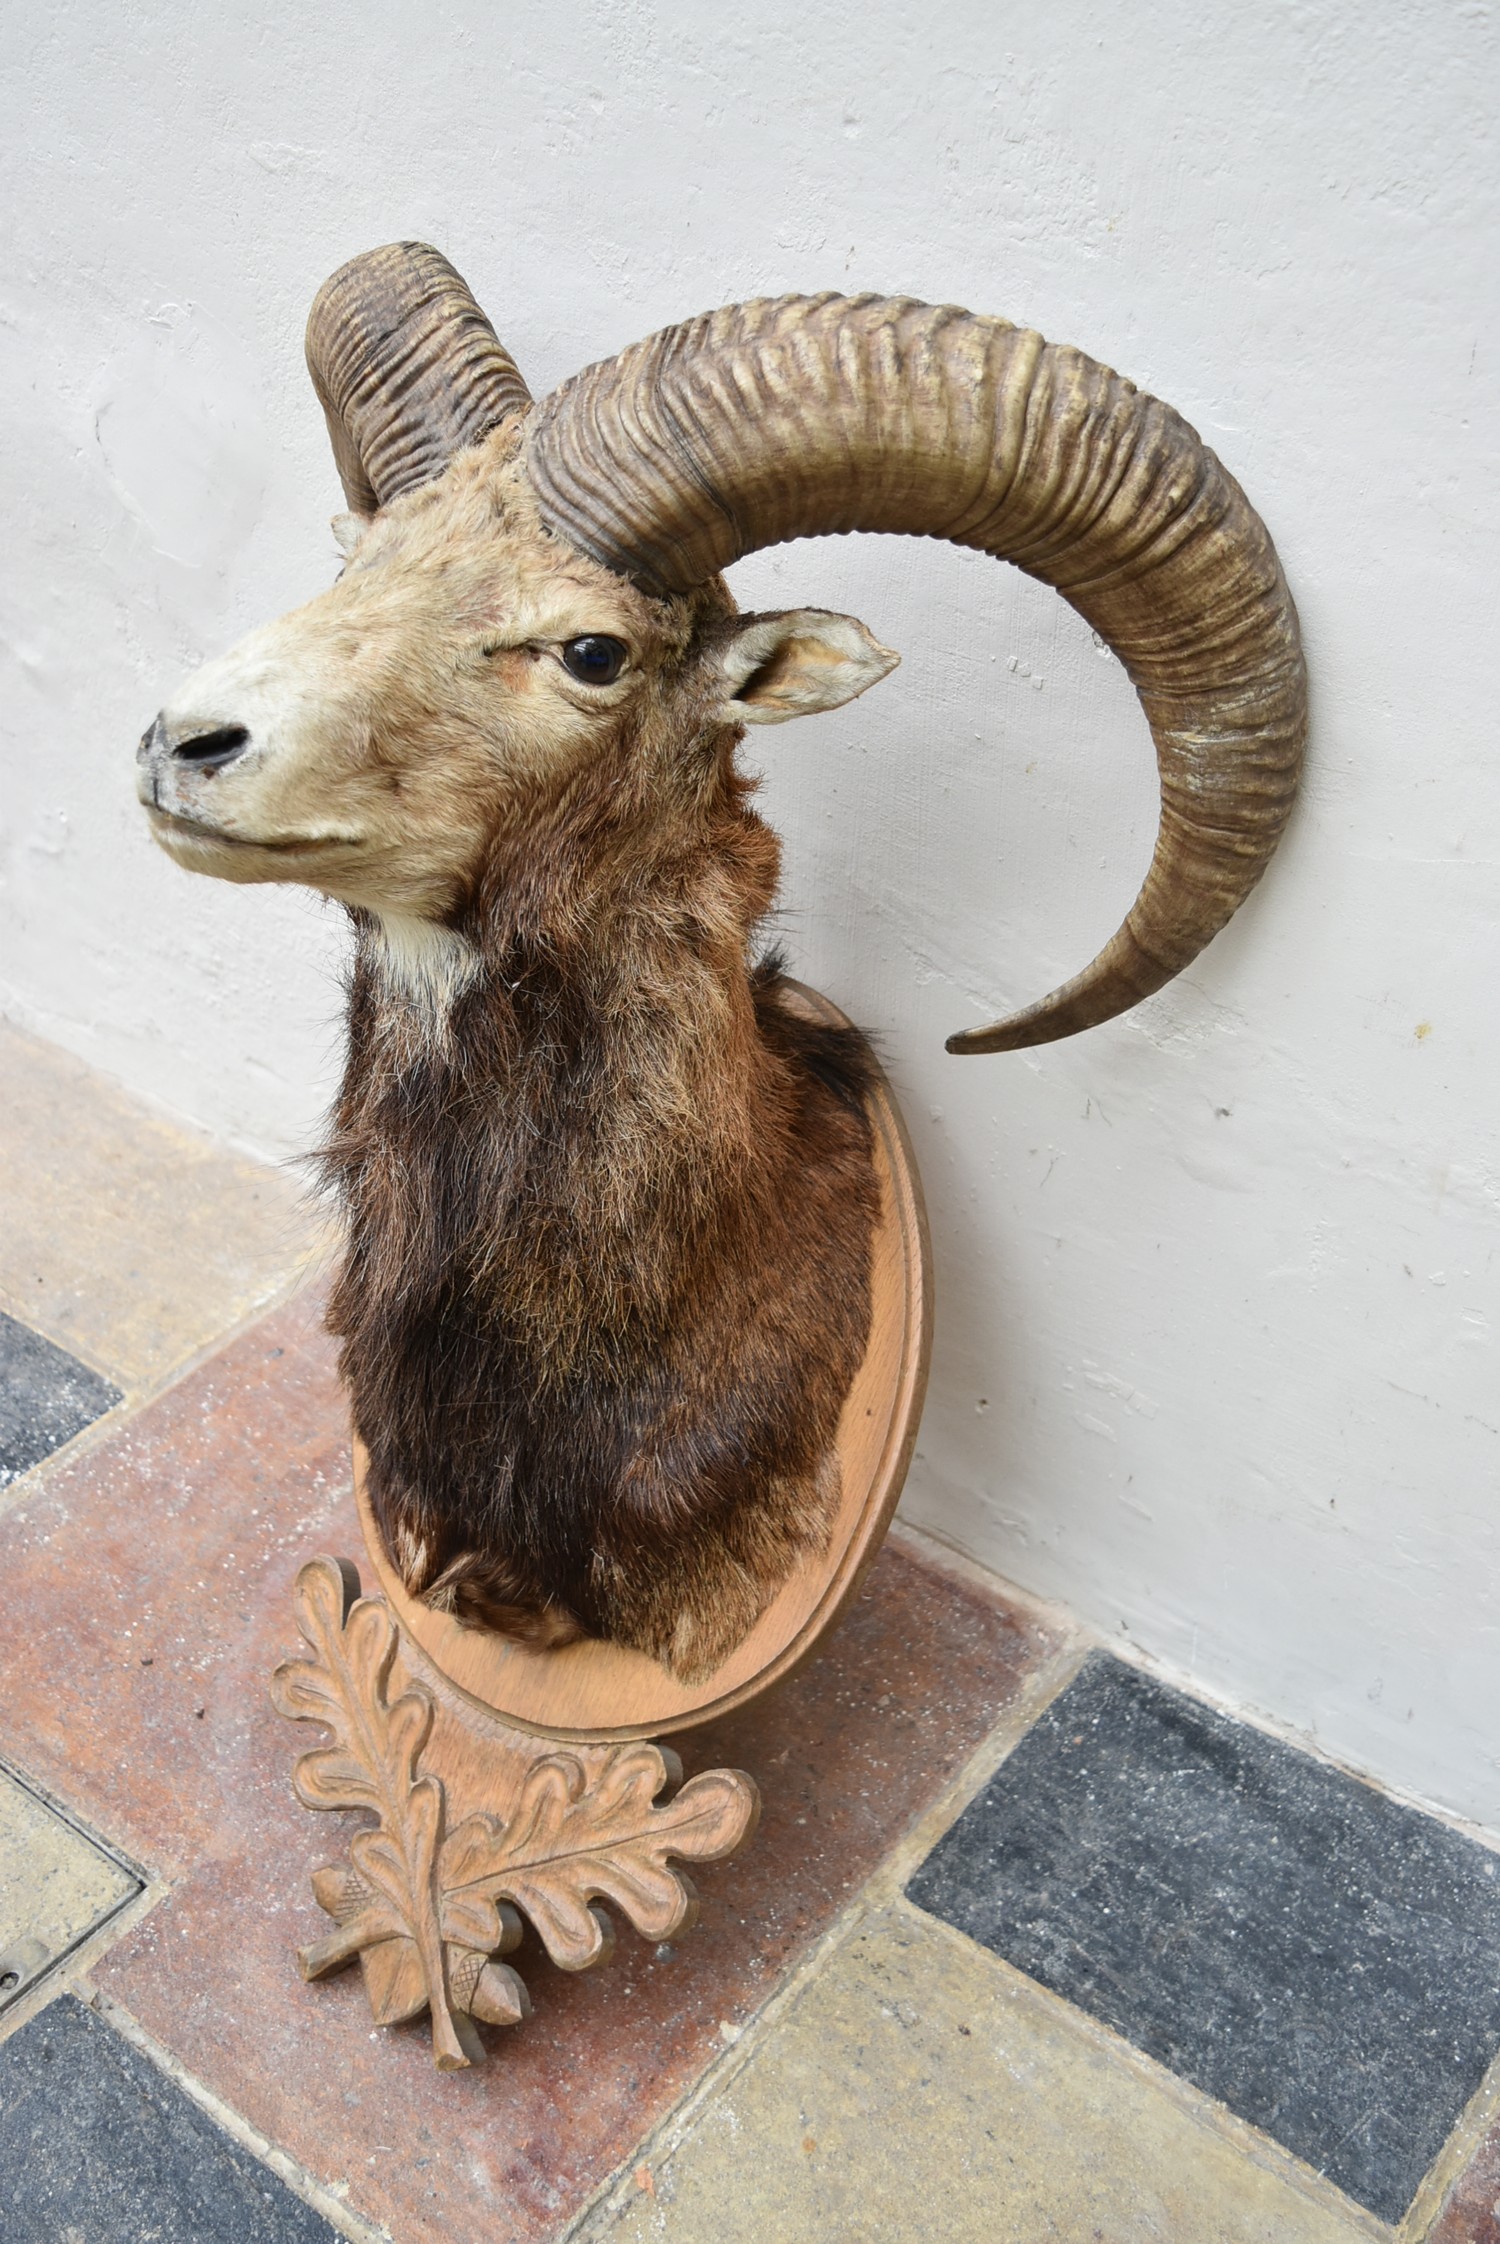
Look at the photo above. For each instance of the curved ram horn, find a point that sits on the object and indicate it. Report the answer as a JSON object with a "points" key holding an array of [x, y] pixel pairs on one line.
{"points": [[407, 368], [802, 415]]}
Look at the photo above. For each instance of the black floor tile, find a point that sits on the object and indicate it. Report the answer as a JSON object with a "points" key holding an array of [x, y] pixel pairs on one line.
{"points": [[97, 2144], [1322, 1961], [46, 1397]]}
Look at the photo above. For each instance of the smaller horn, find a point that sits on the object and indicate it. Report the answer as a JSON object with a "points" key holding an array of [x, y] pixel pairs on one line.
{"points": [[407, 369]]}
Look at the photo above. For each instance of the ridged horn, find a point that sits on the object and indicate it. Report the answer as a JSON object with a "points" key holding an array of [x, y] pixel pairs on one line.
{"points": [[802, 415], [407, 368]]}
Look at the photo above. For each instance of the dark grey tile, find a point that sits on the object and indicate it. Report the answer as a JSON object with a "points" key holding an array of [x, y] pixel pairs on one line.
{"points": [[46, 1397], [1322, 1961], [97, 2144]]}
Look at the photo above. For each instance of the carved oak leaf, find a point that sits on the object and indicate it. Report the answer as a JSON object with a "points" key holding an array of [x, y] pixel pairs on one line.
{"points": [[573, 1838], [427, 1911], [388, 1905]]}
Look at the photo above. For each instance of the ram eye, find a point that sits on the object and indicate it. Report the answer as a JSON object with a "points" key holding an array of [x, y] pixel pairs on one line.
{"points": [[595, 659]]}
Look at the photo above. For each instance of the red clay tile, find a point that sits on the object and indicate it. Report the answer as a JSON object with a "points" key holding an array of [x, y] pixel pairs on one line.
{"points": [[178, 1542], [1471, 2213], [136, 1586]]}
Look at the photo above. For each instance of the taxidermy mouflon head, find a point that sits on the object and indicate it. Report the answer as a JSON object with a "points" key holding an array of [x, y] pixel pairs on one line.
{"points": [[609, 1211]]}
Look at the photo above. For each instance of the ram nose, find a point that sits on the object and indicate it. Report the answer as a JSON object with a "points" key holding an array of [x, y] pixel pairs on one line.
{"points": [[195, 747]]}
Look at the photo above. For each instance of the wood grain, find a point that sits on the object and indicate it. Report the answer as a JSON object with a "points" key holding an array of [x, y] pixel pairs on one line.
{"points": [[476, 1823], [598, 1691]]}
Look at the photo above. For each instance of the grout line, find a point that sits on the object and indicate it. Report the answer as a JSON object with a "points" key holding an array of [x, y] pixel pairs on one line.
{"points": [[947, 1558], [1482, 2111], [1299, 1741], [1452, 2161], [1239, 2135], [21, 1313], [323, 2198], [659, 2143], [929, 1548], [884, 1890], [304, 1273], [1032, 1699], [113, 1422], [1045, 1683], [82, 1953], [82, 1444], [68, 1973]]}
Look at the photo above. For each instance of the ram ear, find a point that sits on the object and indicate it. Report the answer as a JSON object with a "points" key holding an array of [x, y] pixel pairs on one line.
{"points": [[347, 530], [795, 663]]}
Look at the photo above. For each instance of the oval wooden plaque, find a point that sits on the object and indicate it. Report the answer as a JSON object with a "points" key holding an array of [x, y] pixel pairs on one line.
{"points": [[596, 1692]]}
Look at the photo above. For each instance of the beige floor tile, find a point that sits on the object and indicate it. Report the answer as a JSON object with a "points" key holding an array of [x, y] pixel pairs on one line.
{"points": [[129, 1241], [55, 1886], [921, 2090]]}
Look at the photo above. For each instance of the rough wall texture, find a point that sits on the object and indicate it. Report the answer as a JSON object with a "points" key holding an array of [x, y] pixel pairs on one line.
{"points": [[1217, 1282]]}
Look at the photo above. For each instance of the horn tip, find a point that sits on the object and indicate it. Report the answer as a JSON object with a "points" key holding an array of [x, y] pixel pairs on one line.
{"points": [[1038, 1025]]}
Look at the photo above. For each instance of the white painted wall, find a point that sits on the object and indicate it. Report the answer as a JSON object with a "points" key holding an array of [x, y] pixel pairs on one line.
{"points": [[1216, 1355]]}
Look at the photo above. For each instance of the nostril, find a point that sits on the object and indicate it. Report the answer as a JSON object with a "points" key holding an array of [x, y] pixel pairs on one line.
{"points": [[207, 751]]}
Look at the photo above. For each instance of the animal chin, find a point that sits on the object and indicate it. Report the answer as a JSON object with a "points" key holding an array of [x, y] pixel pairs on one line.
{"points": [[190, 839]]}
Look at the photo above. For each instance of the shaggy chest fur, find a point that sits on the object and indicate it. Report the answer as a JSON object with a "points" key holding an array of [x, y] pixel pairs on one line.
{"points": [[606, 1286]]}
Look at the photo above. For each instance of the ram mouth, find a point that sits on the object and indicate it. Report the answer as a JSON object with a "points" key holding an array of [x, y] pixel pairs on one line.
{"points": [[195, 830]]}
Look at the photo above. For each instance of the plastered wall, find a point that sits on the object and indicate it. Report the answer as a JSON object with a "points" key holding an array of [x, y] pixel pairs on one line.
{"points": [[1216, 1352]]}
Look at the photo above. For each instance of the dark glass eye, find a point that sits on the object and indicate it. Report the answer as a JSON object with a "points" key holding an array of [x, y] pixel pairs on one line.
{"points": [[595, 659]]}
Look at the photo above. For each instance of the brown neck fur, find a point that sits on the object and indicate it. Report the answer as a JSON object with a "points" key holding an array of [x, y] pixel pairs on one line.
{"points": [[598, 1093], [567, 1192]]}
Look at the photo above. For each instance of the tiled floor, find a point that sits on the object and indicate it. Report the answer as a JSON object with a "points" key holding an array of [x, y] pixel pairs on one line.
{"points": [[1323, 1962], [96, 2141], [1028, 1946], [129, 1242], [57, 1885], [913, 2090], [47, 1397]]}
